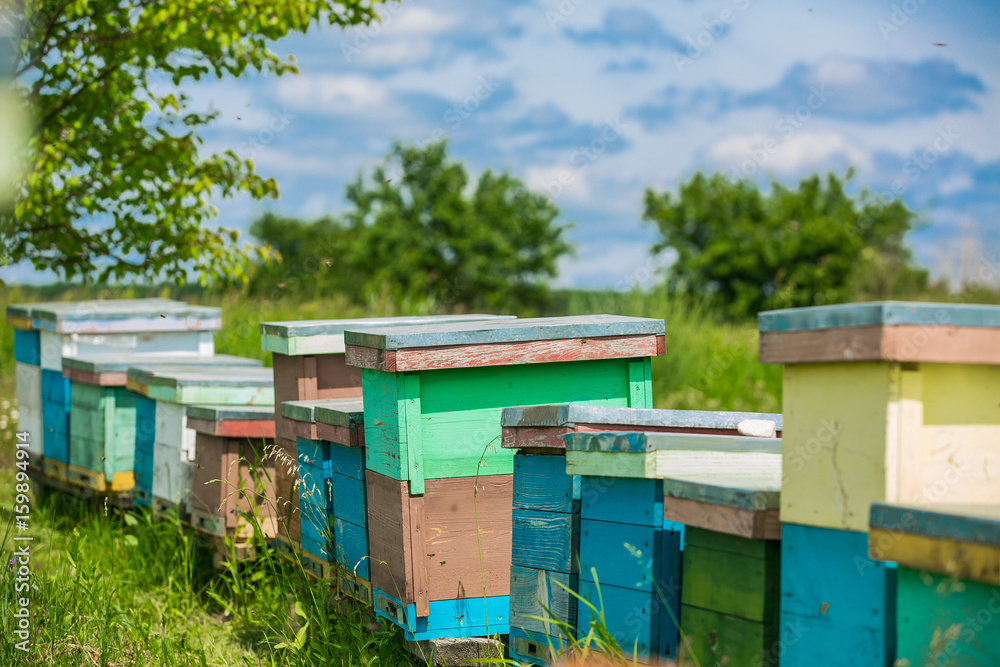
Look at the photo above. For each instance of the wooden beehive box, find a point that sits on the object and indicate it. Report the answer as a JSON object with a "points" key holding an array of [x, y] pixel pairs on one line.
{"points": [[47, 332], [730, 584], [308, 361], [173, 388], [546, 514], [627, 548], [433, 400], [948, 587], [232, 476], [885, 402]]}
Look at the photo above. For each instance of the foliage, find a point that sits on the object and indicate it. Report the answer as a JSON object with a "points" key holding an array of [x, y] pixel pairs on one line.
{"points": [[812, 245], [416, 234], [115, 181]]}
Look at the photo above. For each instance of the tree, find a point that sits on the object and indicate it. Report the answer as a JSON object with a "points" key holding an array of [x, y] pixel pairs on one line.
{"points": [[115, 182], [416, 234], [791, 247]]}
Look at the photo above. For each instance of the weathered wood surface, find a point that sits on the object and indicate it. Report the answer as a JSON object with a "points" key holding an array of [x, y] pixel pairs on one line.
{"points": [[502, 353], [462, 617], [545, 540], [433, 538], [238, 421], [835, 601], [111, 369], [164, 344], [720, 639], [504, 331], [230, 476], [102, 430], [534, 648], [311, 378], [638, 620], [884, 313], [145, 436], [532, 591], [29, 406], [643, 442], [903, 343], [749, 492], [117, 316], [192, 385], [327, 336], [541, 483], [342, 421], [964, 523], [285, 490]]}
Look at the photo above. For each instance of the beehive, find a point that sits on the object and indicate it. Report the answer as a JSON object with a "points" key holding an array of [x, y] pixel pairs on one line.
{"points": [[627, 548], [439, 485], [948, 588], [546, 513], [232, 473], [172, 388], [308, 360]]}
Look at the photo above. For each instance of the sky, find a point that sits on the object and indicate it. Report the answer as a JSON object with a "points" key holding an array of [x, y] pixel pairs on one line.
{"points": [[591, 102]]}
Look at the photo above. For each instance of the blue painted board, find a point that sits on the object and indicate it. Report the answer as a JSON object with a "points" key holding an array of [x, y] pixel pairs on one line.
{"points": [[622, 500], [503, 331], [541, 594], [350, 547], [541, 483], [534, 648], [56, 393], [27, 347], [314, 453], [316, 528], [979, 524], [468, 617], [835, 601], [349, 501], [570, 414], [145, 436], [545, 540], [347, 461], [635, 618], [631, 556], [879, 313]]}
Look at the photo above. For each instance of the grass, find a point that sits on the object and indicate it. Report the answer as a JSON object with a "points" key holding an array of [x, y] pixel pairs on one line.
{"points": [[115, 588]]}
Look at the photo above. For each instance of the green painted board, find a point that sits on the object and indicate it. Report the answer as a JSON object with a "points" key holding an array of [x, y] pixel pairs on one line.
{"points": [[718, 639], [731, 575], [943, 621], [504, 331], [450, 418], [883, 313], [192, 385], [327, 336], [102, 429], [748, 492]]}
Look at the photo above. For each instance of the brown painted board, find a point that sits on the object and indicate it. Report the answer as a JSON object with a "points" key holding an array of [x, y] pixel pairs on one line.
{"points": [[285, 489], [752, 524], [222, 464], [426, 548], [504, 354], [311, 377], [349, 436], [233, 429], [903, 343]]}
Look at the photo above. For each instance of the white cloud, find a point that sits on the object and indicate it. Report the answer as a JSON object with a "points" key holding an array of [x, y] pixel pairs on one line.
{"points": [[791, 155], [841, 72], [617, 266], [421, 21], [332, 94], [561, 183], [955, 184]]}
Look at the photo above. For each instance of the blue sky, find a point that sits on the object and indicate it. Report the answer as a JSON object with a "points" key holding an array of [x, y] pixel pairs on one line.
{"points": [[592, 101]]}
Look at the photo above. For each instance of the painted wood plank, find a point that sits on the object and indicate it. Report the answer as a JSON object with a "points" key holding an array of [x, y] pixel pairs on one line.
{"points": [[718, 639], [534, 648], [676, 463], [539, 597], [171, 474], [541, 483], [57, 346], [347, 461], [145, 436], [466, 617], [385, 440], [105, 362], [835, 601], [630, 556], [632, 617], [389, 544], [192, 385], [119, 315], [641, 442], [504, 331], [979, 524], [501, 354], [345, 412], [351, 547], [327, 336], [622, 500], [349, 501], [56, 392], [879, 313], [545, 540], [732, 584], [410, 425], [754, 524], [963, 560], [285, 491], [29, 407], [27, 347], [749, 492], [904, 343], [247, 421], [944, 621]]}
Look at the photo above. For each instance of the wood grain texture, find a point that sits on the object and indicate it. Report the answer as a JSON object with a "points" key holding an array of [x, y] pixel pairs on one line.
{"points": [[465, 617], [233, 428], [732, 583], [501, 354], [622, 500], [537, 597], [541, 483], [545, 540], [286, 493], [342, 435], [754, 524], [962, 560], [719, 639], [450, 552]]}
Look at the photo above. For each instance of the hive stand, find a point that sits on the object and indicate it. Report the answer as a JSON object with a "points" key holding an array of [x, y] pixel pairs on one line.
{"points": [[102, 417], [948, 589], [308, 360], [883, 402], [171, 444], [45, 333], [546, 514], [232, 472], [439, 485], [630, 555]]}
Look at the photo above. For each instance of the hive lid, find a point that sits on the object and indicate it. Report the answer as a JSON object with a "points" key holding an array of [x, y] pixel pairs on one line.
{"points": [[115, 316], [217, 413], [327, 336], [346, 412], [568, 414], [883, 313], [640, 442], [217, 385], [121, 362], [978, 524], [758, 491]]}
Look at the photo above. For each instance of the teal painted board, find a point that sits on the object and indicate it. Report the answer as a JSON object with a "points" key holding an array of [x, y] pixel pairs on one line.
{"points": [[632, 617], [965, 523], [835, 601], [570, 414], [189, 384], [314, 453], [622, 500], [349, 501], [344, 412], [643, 442], [628, 555], [118, 316], [102, 429], [756, 493], [541, 483], [347, 461], [545, 540], [145, 436], [534, 648], [467, 617], [885, 313], [350, 547], [27, 347], [327, 336], [503, 331], [56, 406], [541, 594], [942, 620]]}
